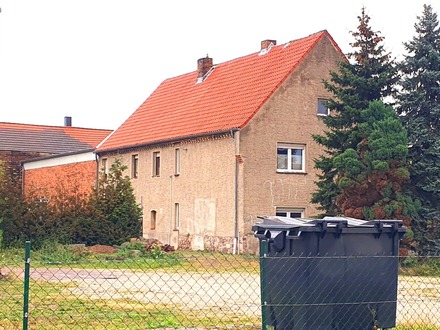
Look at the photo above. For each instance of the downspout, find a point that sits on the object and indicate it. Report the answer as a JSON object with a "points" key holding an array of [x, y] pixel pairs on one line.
{"points": [[171, 210], [97, 172], [236, 245]]}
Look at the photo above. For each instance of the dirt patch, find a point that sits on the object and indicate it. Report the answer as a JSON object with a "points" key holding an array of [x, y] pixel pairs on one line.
{"points": [[102, 249]]}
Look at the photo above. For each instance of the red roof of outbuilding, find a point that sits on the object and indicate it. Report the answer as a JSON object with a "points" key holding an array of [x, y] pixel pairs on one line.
{"points": [[227, 99], [49, 139]]}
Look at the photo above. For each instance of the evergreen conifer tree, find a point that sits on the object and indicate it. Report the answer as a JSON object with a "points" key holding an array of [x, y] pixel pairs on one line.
{"points": [[419, 107], [368, 75], [371, 175], [115, 207]]}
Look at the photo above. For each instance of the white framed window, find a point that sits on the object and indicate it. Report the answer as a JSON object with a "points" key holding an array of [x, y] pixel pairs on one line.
{"points": [[156, 163], [177, 161], [104, 166], [323, 109], [134, 166], [290, 212], [176, 216], [291, 158]]}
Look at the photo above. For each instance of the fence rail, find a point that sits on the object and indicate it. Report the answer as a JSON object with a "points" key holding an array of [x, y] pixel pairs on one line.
{"points": [[73, 288]]}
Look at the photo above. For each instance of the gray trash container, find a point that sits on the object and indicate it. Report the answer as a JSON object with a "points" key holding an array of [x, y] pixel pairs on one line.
{"points": [[326, 274]]}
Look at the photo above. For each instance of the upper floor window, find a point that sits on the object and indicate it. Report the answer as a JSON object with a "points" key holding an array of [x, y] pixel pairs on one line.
{"points": [[289, 212], [323, 109], [290, 158], [156, 163], [177, 161], [134, 166]]}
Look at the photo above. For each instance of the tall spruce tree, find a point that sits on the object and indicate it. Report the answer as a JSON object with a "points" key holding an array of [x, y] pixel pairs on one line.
{"points": [[371, 175], [370, 74], [419, 107]]}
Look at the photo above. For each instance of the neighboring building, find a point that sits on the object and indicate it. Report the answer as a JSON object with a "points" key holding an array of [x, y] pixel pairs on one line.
{"points": [[211, 150], [51, 156]]}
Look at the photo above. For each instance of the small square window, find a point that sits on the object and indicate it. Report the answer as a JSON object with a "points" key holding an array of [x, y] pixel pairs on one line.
{"points": [[156, 163], [323, 109], [290, 158], [134, 166]]}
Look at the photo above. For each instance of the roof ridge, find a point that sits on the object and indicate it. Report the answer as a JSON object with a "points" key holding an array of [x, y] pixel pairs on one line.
{"points": [[322, 33], [246, 55], [53, 126]]}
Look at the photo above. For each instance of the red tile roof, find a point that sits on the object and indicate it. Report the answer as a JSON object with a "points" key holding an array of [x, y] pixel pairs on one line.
{"points": [[228, 98], [49, 139]]}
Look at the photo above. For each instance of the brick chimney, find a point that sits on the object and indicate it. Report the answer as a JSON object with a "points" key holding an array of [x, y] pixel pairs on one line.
{"points": [[266, 43], [203, 66]]}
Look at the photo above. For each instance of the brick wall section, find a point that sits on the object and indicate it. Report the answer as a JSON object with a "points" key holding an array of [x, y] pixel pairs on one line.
{"points": [[69, 178]]}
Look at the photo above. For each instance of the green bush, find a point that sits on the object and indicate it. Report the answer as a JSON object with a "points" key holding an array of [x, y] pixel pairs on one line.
{"points": [[108, 216]]}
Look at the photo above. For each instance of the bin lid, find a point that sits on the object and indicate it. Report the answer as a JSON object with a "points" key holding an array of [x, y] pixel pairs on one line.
{"points": [[276, 223]]}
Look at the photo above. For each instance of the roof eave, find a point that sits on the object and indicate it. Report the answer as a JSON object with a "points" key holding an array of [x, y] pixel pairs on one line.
{"points": [[165, 141]]}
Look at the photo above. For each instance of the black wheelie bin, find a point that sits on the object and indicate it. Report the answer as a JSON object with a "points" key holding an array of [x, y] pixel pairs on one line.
{"points": [[334, 273]]}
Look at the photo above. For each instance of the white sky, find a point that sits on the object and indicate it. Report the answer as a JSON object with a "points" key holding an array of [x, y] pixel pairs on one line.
{"points": [[98, 60]]}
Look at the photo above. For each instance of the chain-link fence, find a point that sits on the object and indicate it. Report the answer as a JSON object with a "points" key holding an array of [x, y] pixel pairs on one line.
{"points": [[75, 288]]}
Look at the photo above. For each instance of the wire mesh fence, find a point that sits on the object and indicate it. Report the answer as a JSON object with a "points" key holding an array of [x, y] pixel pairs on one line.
{"points": [[74, 288]]}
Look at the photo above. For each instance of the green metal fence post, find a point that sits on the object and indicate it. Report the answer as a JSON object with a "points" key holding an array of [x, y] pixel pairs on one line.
{"points": [[263, 256], [27, 266]]}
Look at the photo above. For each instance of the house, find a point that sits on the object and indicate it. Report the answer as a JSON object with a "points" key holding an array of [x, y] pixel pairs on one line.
{"points": [[210, 150], [44, 158]]}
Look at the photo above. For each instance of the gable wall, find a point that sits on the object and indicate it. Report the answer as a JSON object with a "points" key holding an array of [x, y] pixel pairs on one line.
{"points": [[290, 115]]}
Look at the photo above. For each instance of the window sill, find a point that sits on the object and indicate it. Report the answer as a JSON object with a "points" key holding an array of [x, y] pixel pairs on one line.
{"points": [[291, 172]]}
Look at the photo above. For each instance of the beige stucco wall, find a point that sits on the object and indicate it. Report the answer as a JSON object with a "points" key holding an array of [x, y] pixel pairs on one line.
{"points": [[204, 190], [290, 115]]}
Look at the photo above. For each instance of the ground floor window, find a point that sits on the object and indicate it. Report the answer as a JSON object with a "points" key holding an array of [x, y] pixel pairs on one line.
{"points": [[290, 212], [153, 220]]}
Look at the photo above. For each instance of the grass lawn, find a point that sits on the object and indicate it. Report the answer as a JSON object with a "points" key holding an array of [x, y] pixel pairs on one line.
{"points": [[52, 306]]}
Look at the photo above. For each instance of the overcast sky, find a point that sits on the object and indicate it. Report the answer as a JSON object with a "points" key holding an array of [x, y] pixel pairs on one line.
{"points": [[98, 60]]}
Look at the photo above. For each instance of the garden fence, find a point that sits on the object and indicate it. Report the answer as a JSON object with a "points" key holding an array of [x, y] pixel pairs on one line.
{"points": [[73, 288]]}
